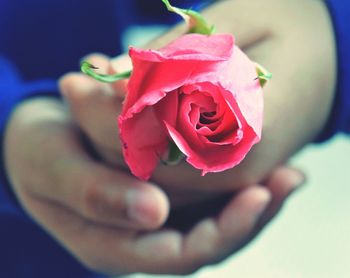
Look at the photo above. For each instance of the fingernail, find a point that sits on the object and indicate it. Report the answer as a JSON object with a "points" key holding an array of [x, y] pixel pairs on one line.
{"points": [[140, 206]]}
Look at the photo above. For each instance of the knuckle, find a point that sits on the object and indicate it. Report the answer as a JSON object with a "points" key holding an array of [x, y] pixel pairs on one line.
{"points": [[99, 198]]}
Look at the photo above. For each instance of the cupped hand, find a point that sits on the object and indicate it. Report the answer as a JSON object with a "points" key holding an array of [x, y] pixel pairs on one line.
{"points": [[106, 218], [46, 159]]}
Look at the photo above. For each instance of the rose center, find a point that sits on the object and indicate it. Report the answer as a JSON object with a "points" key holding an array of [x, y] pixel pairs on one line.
{"points": [[207, 117]]}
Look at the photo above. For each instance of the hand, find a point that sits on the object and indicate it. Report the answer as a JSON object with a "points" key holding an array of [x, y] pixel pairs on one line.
{"points": [[285, 37], [90, 209]]}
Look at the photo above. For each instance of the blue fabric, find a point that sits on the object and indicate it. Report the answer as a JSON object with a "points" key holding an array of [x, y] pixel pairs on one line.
{"points": [[339, 120], [40, 41]]}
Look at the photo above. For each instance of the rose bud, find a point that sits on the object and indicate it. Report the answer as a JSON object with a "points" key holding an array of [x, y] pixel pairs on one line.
{"points": [[201, 93]]}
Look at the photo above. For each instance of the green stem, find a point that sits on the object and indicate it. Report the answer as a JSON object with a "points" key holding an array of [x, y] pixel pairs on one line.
{"points": [[197, 23], [263, 75], [89, 69]]}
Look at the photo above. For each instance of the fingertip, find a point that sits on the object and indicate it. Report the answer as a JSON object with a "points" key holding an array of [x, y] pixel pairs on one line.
{"points": [[296, 177], [148, 206], [66, 82], [285, 180], [260, 197], [255, 198], [244, 211]]}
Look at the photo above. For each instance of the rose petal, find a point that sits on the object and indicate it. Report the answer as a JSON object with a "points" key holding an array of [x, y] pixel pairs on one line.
{"points": [[144, 141], [190, 47], [167, 108], [248, 94], [213, 159], [157, 72]]}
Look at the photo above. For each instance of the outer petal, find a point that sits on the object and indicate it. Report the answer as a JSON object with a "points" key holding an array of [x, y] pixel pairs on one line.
{"points": [[191, 47], [210, 156], [144, 141], [184, 61], [240, 78]]}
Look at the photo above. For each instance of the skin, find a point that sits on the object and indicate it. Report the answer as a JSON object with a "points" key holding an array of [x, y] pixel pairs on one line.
{"points": [[86, 205]]}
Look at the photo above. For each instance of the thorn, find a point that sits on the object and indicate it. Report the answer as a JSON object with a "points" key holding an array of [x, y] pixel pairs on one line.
{"points": [[93, 67]]}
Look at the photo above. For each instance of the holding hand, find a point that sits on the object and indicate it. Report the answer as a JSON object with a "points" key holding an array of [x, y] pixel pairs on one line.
{"points": [[108, 219], [92, 211]]}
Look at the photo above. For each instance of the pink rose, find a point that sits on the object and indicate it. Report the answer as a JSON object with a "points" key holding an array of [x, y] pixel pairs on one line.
{"points": [[200, 91]]}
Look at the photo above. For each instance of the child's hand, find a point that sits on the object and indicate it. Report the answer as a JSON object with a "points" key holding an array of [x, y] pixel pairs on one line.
{"points": [[101, 215]]}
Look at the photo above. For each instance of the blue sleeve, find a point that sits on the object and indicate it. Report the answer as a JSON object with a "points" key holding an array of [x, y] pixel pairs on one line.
{"points": [[13, 91], [40, 41], [339, 120], [26, 250]]}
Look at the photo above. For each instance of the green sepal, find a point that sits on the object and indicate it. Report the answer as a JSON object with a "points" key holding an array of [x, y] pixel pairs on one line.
{"points": [[196, 22], [263, 75], [89, 69], [174, 155]]}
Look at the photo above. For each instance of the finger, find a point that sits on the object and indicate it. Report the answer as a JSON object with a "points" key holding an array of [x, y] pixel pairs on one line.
{"points": [[108, 196], [105, 249], [210, 240], [94, 109], [283, 182], [169, 251], [106, 65], [93, 190], [92, 244], [114, 251], [214, 239]]}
